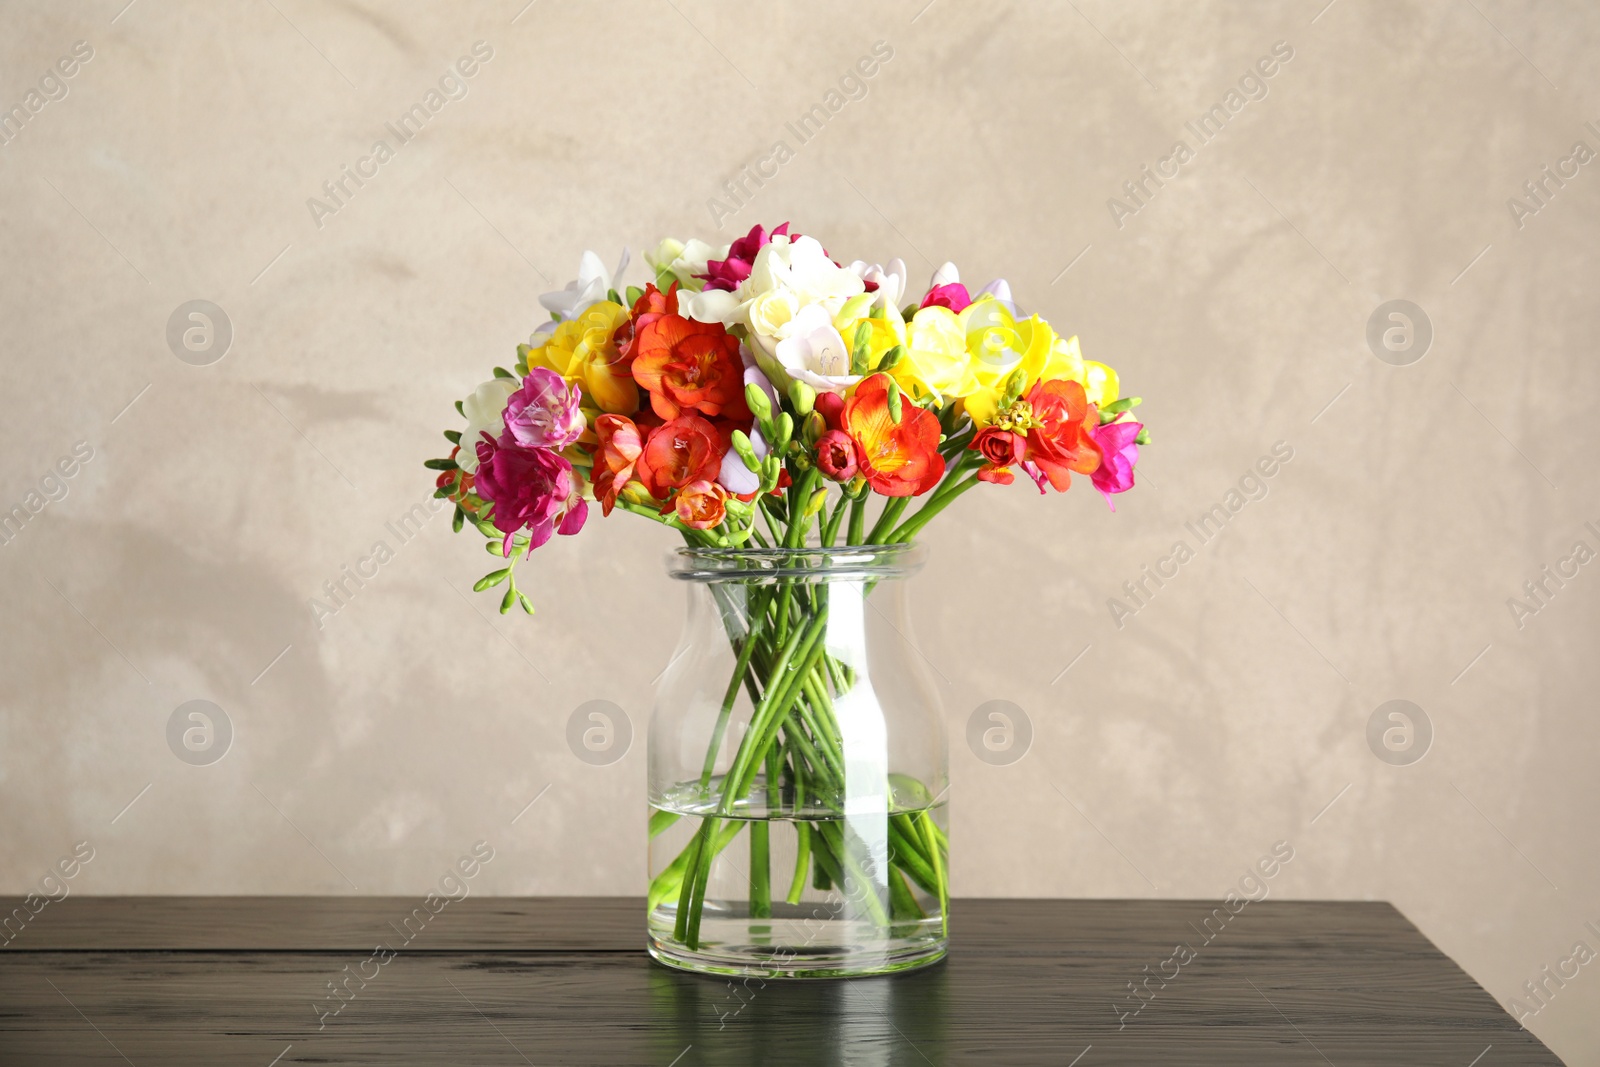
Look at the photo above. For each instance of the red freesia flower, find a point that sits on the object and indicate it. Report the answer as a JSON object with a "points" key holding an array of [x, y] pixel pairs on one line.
{"points": [[1000, 449], [727, 273], [458, 481], [690, 366], [702, 504], [615, 454], [836, 455], [1061, 440], [686, 449], [898, 459], [651, 305], [831, 407]]}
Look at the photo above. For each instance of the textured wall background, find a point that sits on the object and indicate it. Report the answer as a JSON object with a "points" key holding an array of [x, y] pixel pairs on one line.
{"points": [[1229, 712]]}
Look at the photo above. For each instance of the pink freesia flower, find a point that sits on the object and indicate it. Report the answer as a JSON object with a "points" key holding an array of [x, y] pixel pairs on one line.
{"points": [[726, 274], [532, 489], [544, 412], [1118, 454], [953, 296]]}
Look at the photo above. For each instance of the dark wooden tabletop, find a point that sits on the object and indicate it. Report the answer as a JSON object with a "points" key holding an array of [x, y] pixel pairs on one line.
{"points": [[175, 981]]}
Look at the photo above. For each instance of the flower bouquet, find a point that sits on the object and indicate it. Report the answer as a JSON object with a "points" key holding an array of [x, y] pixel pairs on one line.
{"points": [[783, 412]]}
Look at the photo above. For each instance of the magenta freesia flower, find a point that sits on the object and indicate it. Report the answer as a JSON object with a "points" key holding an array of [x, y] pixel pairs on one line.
{"points": [[532, 489], [544, 412], [726, 274], [953, 296], [1118, 454]]}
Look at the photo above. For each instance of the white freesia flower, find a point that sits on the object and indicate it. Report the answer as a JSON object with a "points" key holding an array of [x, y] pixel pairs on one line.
{"points": [[814, 353], [712, 305], [485, 411], [1000, 289], [891, 282], [945, 275], [590, 288], [685, 260]]}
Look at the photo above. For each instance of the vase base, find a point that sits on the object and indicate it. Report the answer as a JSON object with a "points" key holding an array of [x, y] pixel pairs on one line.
{"points": [[781, 948]]}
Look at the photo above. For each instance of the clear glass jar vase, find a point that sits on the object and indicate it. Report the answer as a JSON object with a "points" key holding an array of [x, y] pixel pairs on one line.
{"points": [[798, 770]]}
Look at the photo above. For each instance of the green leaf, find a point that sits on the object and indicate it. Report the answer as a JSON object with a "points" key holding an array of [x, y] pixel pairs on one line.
{"points": [[501, 372], [441, 465], [611, 295], [633, 294], [453, 436], [492, 578], [460, 410]]}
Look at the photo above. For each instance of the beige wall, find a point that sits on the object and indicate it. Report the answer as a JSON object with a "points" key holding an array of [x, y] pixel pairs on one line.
{"points": [[1219, 719]]}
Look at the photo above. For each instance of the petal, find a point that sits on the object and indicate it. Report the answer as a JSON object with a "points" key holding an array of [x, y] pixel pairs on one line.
{"points": [[573, 520]]}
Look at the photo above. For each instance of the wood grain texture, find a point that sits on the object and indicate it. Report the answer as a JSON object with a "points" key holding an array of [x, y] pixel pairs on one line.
{"points": [[180, 981]]}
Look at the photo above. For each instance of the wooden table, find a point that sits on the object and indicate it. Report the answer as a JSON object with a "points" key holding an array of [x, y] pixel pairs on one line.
{"points": [[245, 980]]}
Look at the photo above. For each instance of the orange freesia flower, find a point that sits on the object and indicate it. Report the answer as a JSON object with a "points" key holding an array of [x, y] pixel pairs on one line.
{"points": [[897, 459], [686, 449], [702, 504], [1059, 439], [689, 366], [617, 450]]}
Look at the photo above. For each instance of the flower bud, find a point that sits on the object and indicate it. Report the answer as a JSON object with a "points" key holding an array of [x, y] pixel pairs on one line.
{"points": [[803, 397], [814, 505], [1143, 438], [813, 427], [856, 487], [836, 457], [895, 411], [747, 452], [855, 307], [892, 358], [760, 404], [1014, 386], [784, 430], [861, 350]]}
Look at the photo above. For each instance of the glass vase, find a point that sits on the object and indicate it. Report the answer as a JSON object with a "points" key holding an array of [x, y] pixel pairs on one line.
{"points": [[798, 770]]}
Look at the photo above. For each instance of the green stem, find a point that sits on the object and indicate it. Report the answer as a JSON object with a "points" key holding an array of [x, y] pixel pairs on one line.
{"points": [[892, 510], [746, 650], [858, 519]]}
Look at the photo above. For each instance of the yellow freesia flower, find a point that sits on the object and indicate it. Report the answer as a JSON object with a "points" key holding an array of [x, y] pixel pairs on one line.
{"points": [[582, 351], [1000, 346], [937, 362], [1099, 382]]}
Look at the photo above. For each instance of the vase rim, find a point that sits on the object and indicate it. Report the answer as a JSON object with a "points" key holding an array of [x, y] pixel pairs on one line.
{"points": [[843, 562]]}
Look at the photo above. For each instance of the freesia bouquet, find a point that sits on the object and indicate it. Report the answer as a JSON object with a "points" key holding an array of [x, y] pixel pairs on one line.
{"points": [[730, 395], [764, 396]]}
